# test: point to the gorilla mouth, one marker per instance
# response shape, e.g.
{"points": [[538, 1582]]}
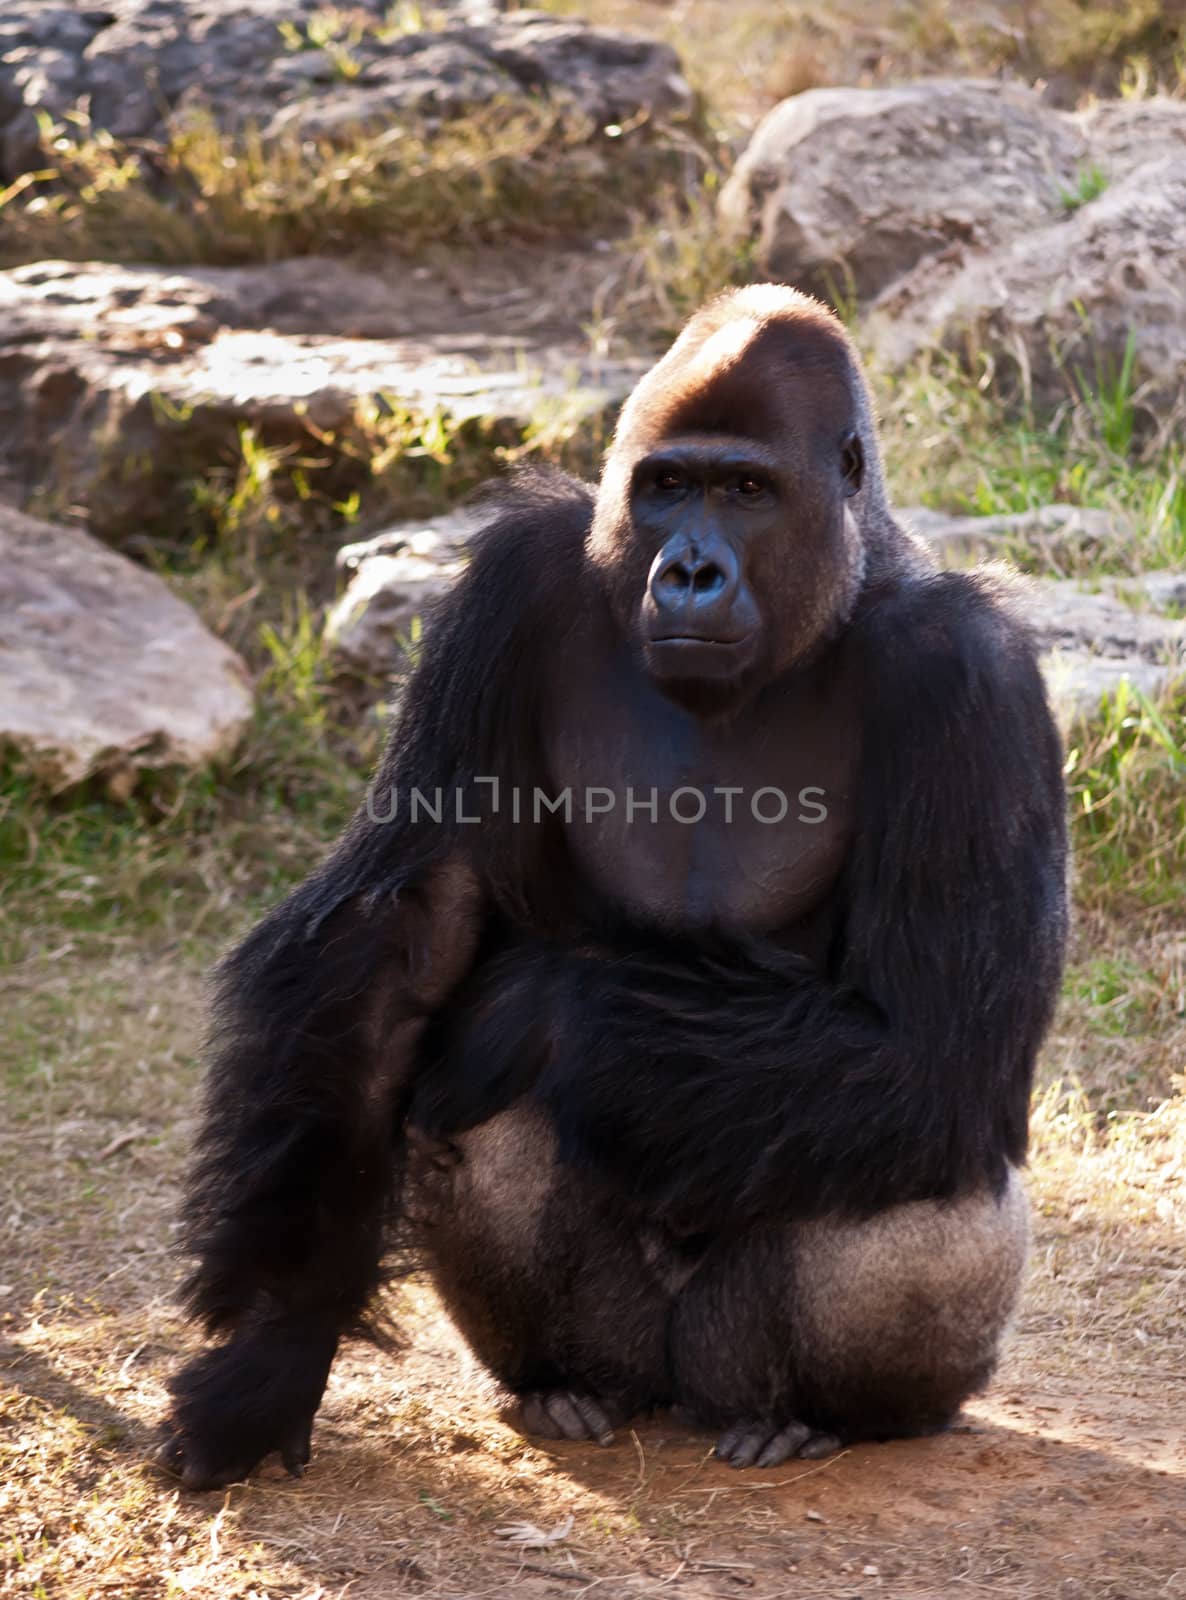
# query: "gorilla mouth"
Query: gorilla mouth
{"points": [[697, 655], [698, 638]]}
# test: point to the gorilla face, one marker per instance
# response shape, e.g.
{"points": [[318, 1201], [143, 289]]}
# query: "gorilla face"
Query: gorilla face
{"points": [[703, 504], [717, 513], [723, 534]]}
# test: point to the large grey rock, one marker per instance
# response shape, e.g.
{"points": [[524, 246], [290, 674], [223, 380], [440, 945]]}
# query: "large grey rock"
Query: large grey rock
{"points": [[117, 380], [979, 219], [850, 188], [1057, 306], [102, 670], [136, 63], [1123, 135]]}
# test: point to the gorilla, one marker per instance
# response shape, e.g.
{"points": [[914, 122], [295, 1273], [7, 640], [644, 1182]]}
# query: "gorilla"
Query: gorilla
{"points": [[675, 993]]}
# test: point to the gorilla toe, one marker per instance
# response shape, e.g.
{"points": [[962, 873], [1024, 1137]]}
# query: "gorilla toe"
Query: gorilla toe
{"points": [[566, 1414], [765, 1444]]}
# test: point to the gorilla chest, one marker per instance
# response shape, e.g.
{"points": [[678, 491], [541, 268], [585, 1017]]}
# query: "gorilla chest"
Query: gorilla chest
{"points": [[744, 826]]}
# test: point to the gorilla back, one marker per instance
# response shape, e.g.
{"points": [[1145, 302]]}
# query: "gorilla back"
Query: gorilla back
{"points": [[699, 1071]]}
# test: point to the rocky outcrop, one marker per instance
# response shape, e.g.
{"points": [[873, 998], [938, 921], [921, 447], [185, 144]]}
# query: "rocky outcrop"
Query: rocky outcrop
{"points": [[1066, 308], [276, 65], [1092, 636], [103, 672], [974, 217], [116, 381], [846, 190]]}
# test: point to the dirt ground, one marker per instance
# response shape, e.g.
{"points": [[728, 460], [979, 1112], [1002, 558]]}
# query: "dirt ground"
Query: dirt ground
{"points": [[1067, 1479]]}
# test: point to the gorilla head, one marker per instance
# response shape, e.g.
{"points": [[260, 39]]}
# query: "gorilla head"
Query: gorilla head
{"points": [[733, 522]]}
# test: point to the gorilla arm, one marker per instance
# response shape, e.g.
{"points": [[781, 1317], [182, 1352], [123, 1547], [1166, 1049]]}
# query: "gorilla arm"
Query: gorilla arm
{"points": [[724, 1093], [319, 1015]]}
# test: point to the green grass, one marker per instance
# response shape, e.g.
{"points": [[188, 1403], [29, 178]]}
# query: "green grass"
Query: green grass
{"points": [[948, 445], [190, 855], [1126, 776], [1089, 185], [1112, 989]]}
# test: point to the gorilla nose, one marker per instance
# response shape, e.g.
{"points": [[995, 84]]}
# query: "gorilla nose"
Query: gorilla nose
{"points": [[694, 582]]}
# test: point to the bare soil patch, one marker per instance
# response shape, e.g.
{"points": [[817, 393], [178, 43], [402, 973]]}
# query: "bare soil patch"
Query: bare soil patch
{"points": [[1068, 1478]]}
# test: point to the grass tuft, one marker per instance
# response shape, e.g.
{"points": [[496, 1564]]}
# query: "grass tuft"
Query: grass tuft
{"points": [[1089, 185], [1126, 776], [947, 445], [535, 173]]}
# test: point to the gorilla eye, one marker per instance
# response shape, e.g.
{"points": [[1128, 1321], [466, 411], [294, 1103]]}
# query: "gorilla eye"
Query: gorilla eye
{"points": [[668, 480], [748, 487]]}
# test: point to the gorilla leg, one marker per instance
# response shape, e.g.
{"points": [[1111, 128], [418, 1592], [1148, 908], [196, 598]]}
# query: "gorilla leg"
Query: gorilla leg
{"points": [[548, 1279], [833, 1331]]}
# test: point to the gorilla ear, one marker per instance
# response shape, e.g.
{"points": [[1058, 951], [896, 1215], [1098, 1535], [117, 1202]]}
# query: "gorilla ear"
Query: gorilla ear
{"points": [[852, 462]]}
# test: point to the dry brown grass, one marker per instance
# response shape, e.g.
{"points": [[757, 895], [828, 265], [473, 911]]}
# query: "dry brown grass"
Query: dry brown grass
{"points": [[743, 57]]}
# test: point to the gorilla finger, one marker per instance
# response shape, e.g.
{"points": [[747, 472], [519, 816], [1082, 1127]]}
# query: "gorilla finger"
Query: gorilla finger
{"points": [[536, 1418], [818, 1446], [729, 1440], [748, 1446], [178, 1457], [596, 1421], [169, 1456], [784, 1445], [565, 1414], [296, 1450]]}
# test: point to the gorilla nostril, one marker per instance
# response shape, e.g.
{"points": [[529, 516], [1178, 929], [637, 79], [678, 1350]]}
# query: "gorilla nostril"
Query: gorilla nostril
{"points": [[708, 579], [675, 578]]}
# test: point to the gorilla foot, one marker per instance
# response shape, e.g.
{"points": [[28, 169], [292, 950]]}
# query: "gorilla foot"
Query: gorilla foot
{"points": [[568, 1414], [767, 1444]]}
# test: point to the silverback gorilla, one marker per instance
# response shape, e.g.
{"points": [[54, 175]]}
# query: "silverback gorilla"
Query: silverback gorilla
{"points": [[676, 992]]}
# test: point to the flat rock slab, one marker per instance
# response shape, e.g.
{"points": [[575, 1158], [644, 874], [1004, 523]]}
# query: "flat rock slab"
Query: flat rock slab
{"points": [[113, 379], [1094, 641], [136, 64], [1092, 636], [955, 538], [102, 670]]}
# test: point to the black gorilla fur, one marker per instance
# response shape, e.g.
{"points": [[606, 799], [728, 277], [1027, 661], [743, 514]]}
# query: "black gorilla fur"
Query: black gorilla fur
{"points": [[718, 1064]]}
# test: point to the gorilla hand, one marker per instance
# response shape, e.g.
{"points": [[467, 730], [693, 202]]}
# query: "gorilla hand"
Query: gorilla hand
{"points": [[238, 1402]]}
